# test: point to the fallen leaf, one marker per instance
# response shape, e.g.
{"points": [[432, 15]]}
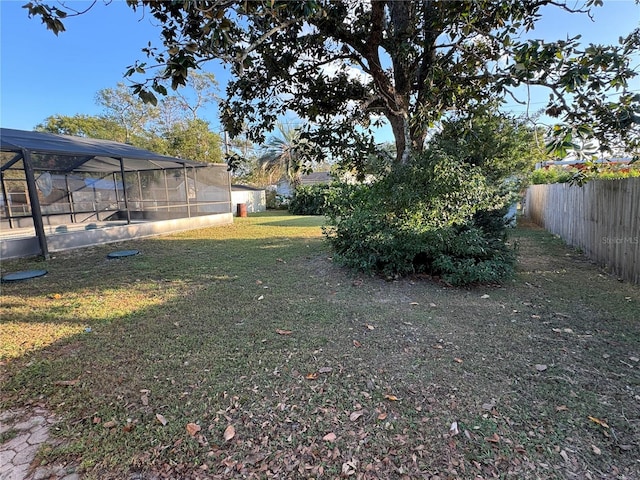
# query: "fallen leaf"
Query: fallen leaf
{"points": [[414, 303], [280, 260], [598, 421], [488, 406], [457, 360], [382, 416], [596, 450], [67, 383], [56, 296], [109, 424], [485, 296], [370, 327], [325, 370], [349, 468], [634, 359], [561, 408], [258, 282], [261, 297], [145, 400], [540, 367], [283, 332], [97, 420], [564, 455], [356, 415], [311, 376], [329, 437], [128, 427], [392, 398], [357, 344], [493, 438], [432, 305], [437, 346], [229, 433], [453, 429], [357, 282], [192, 429], [161, 419]]}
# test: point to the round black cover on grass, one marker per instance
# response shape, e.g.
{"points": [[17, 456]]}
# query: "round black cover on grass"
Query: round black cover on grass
{"points": [[24, 275], [123, 253]]}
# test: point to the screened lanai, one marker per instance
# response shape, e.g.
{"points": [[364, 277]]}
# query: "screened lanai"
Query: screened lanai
{"points": [[61, 192]]}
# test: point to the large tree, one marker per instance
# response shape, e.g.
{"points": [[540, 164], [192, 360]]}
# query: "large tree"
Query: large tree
{"points": [[342, 65]]}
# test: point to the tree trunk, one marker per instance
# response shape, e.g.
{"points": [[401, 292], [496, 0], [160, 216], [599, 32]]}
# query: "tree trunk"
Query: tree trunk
{"points": [[400, 128]]}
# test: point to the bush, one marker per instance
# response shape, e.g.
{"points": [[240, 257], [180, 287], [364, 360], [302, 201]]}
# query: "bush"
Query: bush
{"points": [[309, 199], [275, 201], [434, 215], [321, 199], [550, 175]]}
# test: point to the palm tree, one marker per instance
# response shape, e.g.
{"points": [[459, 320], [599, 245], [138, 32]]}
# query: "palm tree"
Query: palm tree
{"points": [[283, 157]]}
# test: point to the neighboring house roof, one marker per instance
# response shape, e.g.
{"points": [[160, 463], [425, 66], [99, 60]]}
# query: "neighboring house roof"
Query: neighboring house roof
{"points": [[316, 177]]}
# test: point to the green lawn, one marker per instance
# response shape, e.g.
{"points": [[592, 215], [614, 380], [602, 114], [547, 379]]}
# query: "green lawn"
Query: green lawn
{"points": [[250, 330]]}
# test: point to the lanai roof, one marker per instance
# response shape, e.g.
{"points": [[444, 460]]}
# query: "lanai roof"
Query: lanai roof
{"points": [[83, 154]]}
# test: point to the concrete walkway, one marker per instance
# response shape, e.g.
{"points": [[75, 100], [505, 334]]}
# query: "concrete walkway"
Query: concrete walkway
{"points": [[26, 431]]}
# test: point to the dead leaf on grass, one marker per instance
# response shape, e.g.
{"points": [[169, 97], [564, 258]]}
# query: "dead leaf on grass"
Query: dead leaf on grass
{"points": [[161, 419], [495, 438], [356, 415], [192, 429], [596, 450], [392, 398], [145, 400], [283, 332], [561, 408], [67, 383], [55, 296], [488, 406], [109, 424], [261, 297], [325, 370], [602, 423], [382, 416], [485, 296], [329, 437], [540, 367], [453, 429], [357, 344], [457, 360], [370, 327], [229, 433], [311, 376], [349, 468], [414, 303]]}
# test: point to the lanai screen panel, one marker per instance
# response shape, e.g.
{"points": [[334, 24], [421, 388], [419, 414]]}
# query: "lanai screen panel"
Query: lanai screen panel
{"points": [[81, 180]]}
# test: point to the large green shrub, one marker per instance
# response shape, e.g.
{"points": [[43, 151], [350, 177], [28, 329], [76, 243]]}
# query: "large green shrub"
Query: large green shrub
{"points": [[321, 199], [424, 217]]}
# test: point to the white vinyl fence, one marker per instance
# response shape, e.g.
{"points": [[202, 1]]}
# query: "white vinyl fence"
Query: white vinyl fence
{"points": [[602, 218]]}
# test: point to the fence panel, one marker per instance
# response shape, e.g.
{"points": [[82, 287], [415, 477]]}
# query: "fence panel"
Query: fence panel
{"points": [[602, 218]]}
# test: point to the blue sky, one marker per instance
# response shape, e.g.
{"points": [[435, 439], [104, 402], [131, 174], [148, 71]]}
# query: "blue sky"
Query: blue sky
{"points": [[43, 75]]}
